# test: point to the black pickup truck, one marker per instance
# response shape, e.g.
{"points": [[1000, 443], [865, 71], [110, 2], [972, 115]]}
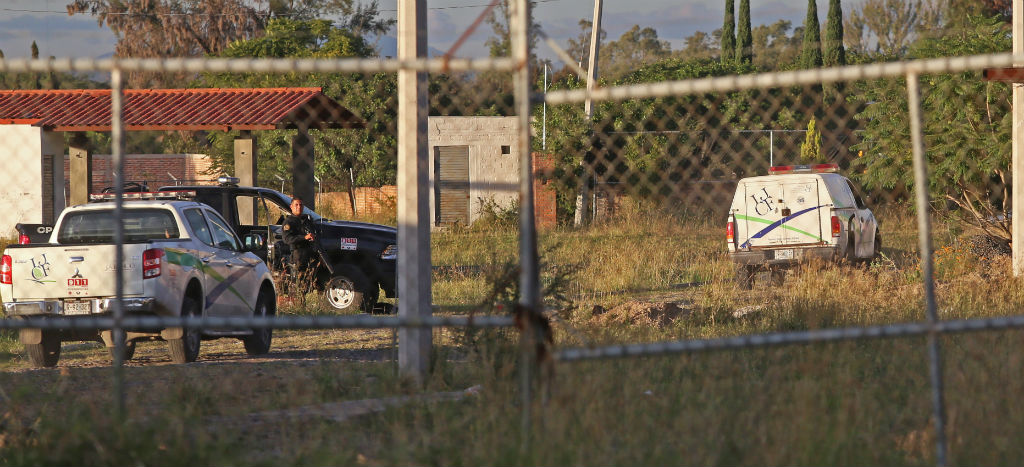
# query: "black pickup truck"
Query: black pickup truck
{"points": [[362, 255]]}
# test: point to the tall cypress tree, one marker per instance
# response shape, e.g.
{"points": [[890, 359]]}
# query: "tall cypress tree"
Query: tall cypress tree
{"points": [[810, 55], [744, 37], [835, 53], [728, 34]]}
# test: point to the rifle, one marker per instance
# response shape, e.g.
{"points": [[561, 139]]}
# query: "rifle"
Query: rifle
{"points": [[317, 246]]}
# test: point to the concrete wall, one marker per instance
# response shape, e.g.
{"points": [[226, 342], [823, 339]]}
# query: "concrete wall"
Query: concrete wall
{"points": [[485, 137], [28, 192]]}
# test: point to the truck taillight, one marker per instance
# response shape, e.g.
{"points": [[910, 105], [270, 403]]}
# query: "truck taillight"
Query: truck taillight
{"points": [[23, 239], [152, 263], [836, 226], [6, 271], [730, 231]]}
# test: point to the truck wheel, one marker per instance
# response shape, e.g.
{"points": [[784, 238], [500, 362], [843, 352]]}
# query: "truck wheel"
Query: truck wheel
{"points": [[744, 277], [47, 352], [186, 349], [259, 342], [349, 291], [778, 277]]}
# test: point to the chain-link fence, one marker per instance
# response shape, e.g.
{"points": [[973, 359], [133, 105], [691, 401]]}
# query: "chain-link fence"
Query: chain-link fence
{"points": [[684, 215]]}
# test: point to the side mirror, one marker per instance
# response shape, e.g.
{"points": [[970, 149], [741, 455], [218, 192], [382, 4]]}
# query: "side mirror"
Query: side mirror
{"points": [[254, 242]]}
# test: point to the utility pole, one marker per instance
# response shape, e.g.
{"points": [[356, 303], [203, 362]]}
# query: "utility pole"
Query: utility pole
{"points": [[583, 195], [595, 49], [413, 229], [1016, 224]]}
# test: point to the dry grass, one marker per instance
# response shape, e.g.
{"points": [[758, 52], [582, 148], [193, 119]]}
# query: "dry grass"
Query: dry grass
{"points": [[863, 402]]}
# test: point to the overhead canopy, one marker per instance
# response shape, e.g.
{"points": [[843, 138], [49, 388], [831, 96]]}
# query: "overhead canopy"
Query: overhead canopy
{"points": [[178, 109]]}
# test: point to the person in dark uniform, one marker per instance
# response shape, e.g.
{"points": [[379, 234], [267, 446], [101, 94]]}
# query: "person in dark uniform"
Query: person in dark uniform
{"points": [[297, 231]]}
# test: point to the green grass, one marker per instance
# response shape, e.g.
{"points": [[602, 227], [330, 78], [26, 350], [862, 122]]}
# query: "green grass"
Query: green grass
{"points": [[850, 403]]}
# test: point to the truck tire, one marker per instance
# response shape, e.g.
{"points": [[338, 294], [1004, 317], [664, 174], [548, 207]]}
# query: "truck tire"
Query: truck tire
{"points": [[186, 349], [259, 342], [45, 353], [349, 291], [744, 277]]}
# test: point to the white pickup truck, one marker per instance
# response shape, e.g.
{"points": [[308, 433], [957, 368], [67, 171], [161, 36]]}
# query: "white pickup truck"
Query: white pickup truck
{"points": [[181, 258]]}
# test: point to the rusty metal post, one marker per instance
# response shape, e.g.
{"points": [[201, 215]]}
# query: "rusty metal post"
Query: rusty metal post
{"points": [[529, 271]]}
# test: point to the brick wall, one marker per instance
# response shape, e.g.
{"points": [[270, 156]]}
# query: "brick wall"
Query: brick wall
{"points": [[369, 200], [544, 199], [154, 169]]}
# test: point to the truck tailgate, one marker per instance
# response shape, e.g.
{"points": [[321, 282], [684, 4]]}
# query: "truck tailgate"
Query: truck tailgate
{"points": [[73, 271], [780, 213]]}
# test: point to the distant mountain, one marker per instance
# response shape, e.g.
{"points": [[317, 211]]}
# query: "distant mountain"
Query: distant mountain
{"points": [[387, 46]]}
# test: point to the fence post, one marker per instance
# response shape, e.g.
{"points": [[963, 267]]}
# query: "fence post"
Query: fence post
{"points": [[529, 272], [924, 235], [413, 228], [117, 154]]}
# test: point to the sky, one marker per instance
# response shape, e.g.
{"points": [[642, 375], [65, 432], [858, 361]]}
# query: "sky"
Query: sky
{"points": [[57, 34]]}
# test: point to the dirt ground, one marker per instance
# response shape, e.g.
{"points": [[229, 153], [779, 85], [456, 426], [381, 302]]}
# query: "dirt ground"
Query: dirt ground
{"points": [[356, 345]]}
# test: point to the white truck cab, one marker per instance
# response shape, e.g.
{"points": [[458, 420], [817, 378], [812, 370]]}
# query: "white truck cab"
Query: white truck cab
{"points": [[794, 214]]}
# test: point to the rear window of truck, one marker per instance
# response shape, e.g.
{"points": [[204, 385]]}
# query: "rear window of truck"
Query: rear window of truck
{"points": [[98, 226]]}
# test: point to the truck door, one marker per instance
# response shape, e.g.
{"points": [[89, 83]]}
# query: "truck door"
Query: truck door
{"points": [[762, 214], [235, 293], [800, 207]]}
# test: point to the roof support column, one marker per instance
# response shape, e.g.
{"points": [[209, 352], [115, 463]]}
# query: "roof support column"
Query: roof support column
{"points": [[245, 170], [303, 184], [80, 160]]}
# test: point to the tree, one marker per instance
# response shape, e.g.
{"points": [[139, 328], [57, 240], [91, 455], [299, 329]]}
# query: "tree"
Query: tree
{"points": [[193, 28], [745, 52], [810, 150], [890, 24], [696, 46], [967, 123], [371, 152], [500, 44], [634, 49], [580, 47], [728, 39], [810, 52], [835, 53], [776, 48]]}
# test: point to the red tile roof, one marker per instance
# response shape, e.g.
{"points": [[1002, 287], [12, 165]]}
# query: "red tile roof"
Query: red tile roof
{"points": [[177, 109]]}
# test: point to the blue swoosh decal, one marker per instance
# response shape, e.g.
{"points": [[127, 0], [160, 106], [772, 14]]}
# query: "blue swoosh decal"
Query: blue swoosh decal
{"points": [[776, 224], [226, 285]]}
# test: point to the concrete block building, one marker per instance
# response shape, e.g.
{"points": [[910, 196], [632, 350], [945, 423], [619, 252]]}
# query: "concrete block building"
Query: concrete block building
{"points": [[473, 161]]}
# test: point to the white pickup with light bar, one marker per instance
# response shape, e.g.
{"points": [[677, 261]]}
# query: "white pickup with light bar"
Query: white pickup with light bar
{"points": [[803, 169]]}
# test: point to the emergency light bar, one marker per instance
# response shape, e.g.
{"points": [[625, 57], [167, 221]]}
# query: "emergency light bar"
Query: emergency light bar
{"points": [[803, 169], [148, 195]]}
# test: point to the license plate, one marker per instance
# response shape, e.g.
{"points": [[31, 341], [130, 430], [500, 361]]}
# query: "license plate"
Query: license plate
{"points": [[77, 308], [784, 254]]}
